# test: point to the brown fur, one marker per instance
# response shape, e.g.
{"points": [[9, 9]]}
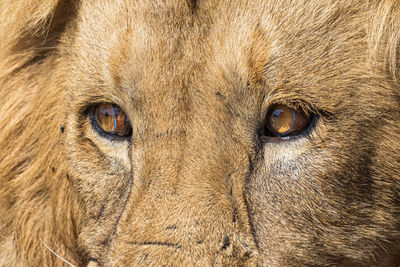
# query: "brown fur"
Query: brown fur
{"points": [[195, 185]]}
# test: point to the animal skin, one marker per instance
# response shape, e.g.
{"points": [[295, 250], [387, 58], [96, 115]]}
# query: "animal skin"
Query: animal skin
{"points": [[199, 182]]}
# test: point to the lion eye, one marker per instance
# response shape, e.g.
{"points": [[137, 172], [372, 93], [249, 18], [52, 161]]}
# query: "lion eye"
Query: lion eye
{"points": [[282, 121], [112, 120]]}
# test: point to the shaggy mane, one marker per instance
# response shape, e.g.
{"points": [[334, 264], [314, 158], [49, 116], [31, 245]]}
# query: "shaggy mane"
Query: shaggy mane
{"points": [[35, 203], [30, 137]]}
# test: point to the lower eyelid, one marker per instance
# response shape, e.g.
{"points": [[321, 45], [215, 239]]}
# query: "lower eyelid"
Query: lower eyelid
{"points": [[311, 125]]}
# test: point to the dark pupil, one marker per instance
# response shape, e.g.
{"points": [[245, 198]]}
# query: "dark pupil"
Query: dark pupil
{"points": [[277, 112]]}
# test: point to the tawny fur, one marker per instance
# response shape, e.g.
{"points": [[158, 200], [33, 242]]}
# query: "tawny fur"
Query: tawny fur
{"points": [[195, 185]]}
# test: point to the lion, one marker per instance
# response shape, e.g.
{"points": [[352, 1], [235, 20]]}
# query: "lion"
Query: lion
{"points": [[199, 133]]}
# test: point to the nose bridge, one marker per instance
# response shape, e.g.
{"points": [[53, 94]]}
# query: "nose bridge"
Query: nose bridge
{"points": [[215, 173], [187, 203]]}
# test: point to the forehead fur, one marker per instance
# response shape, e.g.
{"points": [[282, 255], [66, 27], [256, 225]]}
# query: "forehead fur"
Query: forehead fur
{"points": [[283, 51]]}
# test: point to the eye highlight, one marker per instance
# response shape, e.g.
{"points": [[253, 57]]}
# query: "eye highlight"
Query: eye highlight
{"points": [[111, 120], [283, 121]]}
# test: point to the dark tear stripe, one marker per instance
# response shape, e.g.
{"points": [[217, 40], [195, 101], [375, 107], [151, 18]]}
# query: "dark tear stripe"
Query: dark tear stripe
{"points": [[130, 183], [103, 156], [98, 151], [249, 173]]}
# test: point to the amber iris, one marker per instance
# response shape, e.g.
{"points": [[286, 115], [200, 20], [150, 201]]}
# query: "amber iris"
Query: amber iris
{"points": [[286, 121], [112, 120]]}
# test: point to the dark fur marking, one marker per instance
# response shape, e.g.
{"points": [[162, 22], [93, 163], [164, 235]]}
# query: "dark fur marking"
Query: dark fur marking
{"points": [[101, 211], [63, 13], [38, 176], [192, 6], [142, 258], [20, 166], [53, 170], [226, 243], [228, 177], [106, 242], [171, 227], [251, 166], [250, 171], [219, 95], [112, 233], [235, 214]]}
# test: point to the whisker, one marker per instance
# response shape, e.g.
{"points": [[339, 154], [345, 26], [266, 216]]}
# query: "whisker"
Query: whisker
{"points": [[61, 258]]}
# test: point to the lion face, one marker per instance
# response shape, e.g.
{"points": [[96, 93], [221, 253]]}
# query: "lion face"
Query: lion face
{"points": [[212, 133]]}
